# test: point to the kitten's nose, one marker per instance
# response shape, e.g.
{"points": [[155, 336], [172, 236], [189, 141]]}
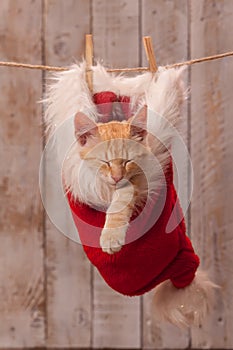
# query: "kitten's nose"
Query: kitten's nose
{"points": [[117, 178]]}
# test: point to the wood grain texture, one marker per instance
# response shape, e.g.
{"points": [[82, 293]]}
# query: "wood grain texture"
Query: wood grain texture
{"points": [[22, 308], [116, 318], [68, 270], [167, 23], [115, 31], [66, 25], [212, 154]]}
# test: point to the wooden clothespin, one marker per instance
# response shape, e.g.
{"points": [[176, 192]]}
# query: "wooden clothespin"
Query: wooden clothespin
{"points": [[147, 41], [89, 60]]}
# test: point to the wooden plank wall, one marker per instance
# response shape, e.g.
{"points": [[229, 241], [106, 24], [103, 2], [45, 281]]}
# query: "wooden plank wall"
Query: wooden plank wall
{"points": [[111, 20], [172, 29], [212, 156], [50, 295], [68, 275], [22, 305]]}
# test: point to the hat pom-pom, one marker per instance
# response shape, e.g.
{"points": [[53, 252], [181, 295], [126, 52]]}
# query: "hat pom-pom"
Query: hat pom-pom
{"points": [[185, 306]]}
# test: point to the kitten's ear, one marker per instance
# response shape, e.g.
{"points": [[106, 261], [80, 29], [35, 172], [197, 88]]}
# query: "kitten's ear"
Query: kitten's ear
{"points": [[138, 124], [84, 128]]}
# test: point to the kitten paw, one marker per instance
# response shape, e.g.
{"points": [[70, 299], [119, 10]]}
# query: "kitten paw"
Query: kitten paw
{"points": [[112, 240]]}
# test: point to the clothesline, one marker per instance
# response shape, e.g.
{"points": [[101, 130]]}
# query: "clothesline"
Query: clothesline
{"points": [[136, 69]]}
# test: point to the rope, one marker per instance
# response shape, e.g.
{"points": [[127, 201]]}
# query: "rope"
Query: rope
{"points": [[137, 69], [32, 66]]}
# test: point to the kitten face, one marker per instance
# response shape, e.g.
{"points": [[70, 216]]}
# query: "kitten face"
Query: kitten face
{"points": [[111, 148], [118, 169], [113, 153]]}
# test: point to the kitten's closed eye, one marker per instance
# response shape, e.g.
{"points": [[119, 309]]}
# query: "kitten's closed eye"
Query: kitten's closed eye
{"points": [[109, 162], [105, 162]]}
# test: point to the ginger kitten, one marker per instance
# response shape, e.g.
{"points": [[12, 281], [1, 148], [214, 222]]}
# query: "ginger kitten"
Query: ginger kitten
{"points": [[110, 176]]}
